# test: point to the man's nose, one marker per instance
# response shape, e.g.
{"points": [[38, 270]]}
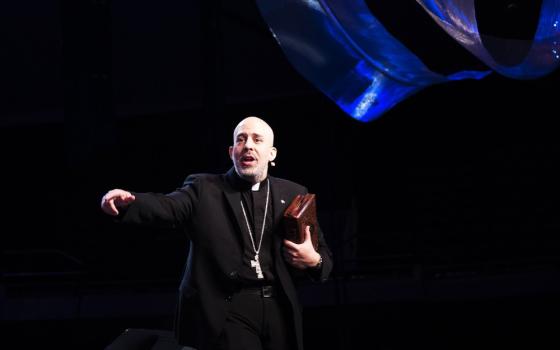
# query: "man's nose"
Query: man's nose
{"points": [[249, 144]]}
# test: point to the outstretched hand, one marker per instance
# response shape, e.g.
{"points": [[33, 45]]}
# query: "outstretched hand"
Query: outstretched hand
{"points": [[114, 199], [303, 255]]}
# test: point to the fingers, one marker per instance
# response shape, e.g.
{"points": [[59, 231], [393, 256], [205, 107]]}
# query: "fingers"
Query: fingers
{"points": [[290, 255], [114, 199], [125, 198], [108, 206], [294, 260], [290, 245], [112, 208], [300, 256], [307, 233], [295, 246]]}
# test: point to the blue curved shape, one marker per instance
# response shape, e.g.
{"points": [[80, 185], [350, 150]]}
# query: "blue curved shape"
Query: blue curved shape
{"points": [[341, 48], [458, 19]]}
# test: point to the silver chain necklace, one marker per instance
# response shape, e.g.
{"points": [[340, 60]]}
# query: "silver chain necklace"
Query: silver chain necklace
{"points": [[256, 263]]}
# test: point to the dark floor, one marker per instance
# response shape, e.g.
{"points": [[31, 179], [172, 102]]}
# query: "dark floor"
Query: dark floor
{"points": [[504, 323], [528, 323]]}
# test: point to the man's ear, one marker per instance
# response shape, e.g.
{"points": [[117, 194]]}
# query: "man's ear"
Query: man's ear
{"points": [[230, 151], [273, 152]]}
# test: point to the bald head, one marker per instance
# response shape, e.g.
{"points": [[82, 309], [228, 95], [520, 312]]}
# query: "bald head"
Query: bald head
{"points": [[252, 149], [255, 123]]}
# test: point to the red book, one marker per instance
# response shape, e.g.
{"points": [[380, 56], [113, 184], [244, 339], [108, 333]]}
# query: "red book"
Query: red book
{"points": [[300, 213]]}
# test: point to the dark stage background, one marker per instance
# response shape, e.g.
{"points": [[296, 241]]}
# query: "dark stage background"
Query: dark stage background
{"points": [[442, 215]]}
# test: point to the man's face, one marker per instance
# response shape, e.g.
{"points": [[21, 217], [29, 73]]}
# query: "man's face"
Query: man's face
{"points": [[252, 149]]}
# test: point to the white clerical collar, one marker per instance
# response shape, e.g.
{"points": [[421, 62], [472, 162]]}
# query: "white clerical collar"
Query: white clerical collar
{"points": [[256, 187]]}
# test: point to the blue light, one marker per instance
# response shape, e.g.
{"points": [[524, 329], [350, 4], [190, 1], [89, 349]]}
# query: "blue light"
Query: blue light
{"points": [[458, 19], [340, 47]]}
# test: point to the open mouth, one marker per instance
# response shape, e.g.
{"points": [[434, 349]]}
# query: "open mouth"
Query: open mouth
{"points": [[247, 160]]}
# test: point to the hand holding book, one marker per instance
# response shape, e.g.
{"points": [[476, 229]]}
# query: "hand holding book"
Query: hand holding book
{"points": [[302, 212]]}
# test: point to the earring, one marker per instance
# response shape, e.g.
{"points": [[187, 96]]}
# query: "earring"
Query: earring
{"points": [[272, 164]]}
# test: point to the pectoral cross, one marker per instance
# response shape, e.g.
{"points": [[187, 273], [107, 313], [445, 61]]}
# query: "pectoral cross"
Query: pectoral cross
{"points": [[257, 265]]}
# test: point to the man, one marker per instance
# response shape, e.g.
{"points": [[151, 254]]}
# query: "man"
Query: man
{"points": [[238, 289]]}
